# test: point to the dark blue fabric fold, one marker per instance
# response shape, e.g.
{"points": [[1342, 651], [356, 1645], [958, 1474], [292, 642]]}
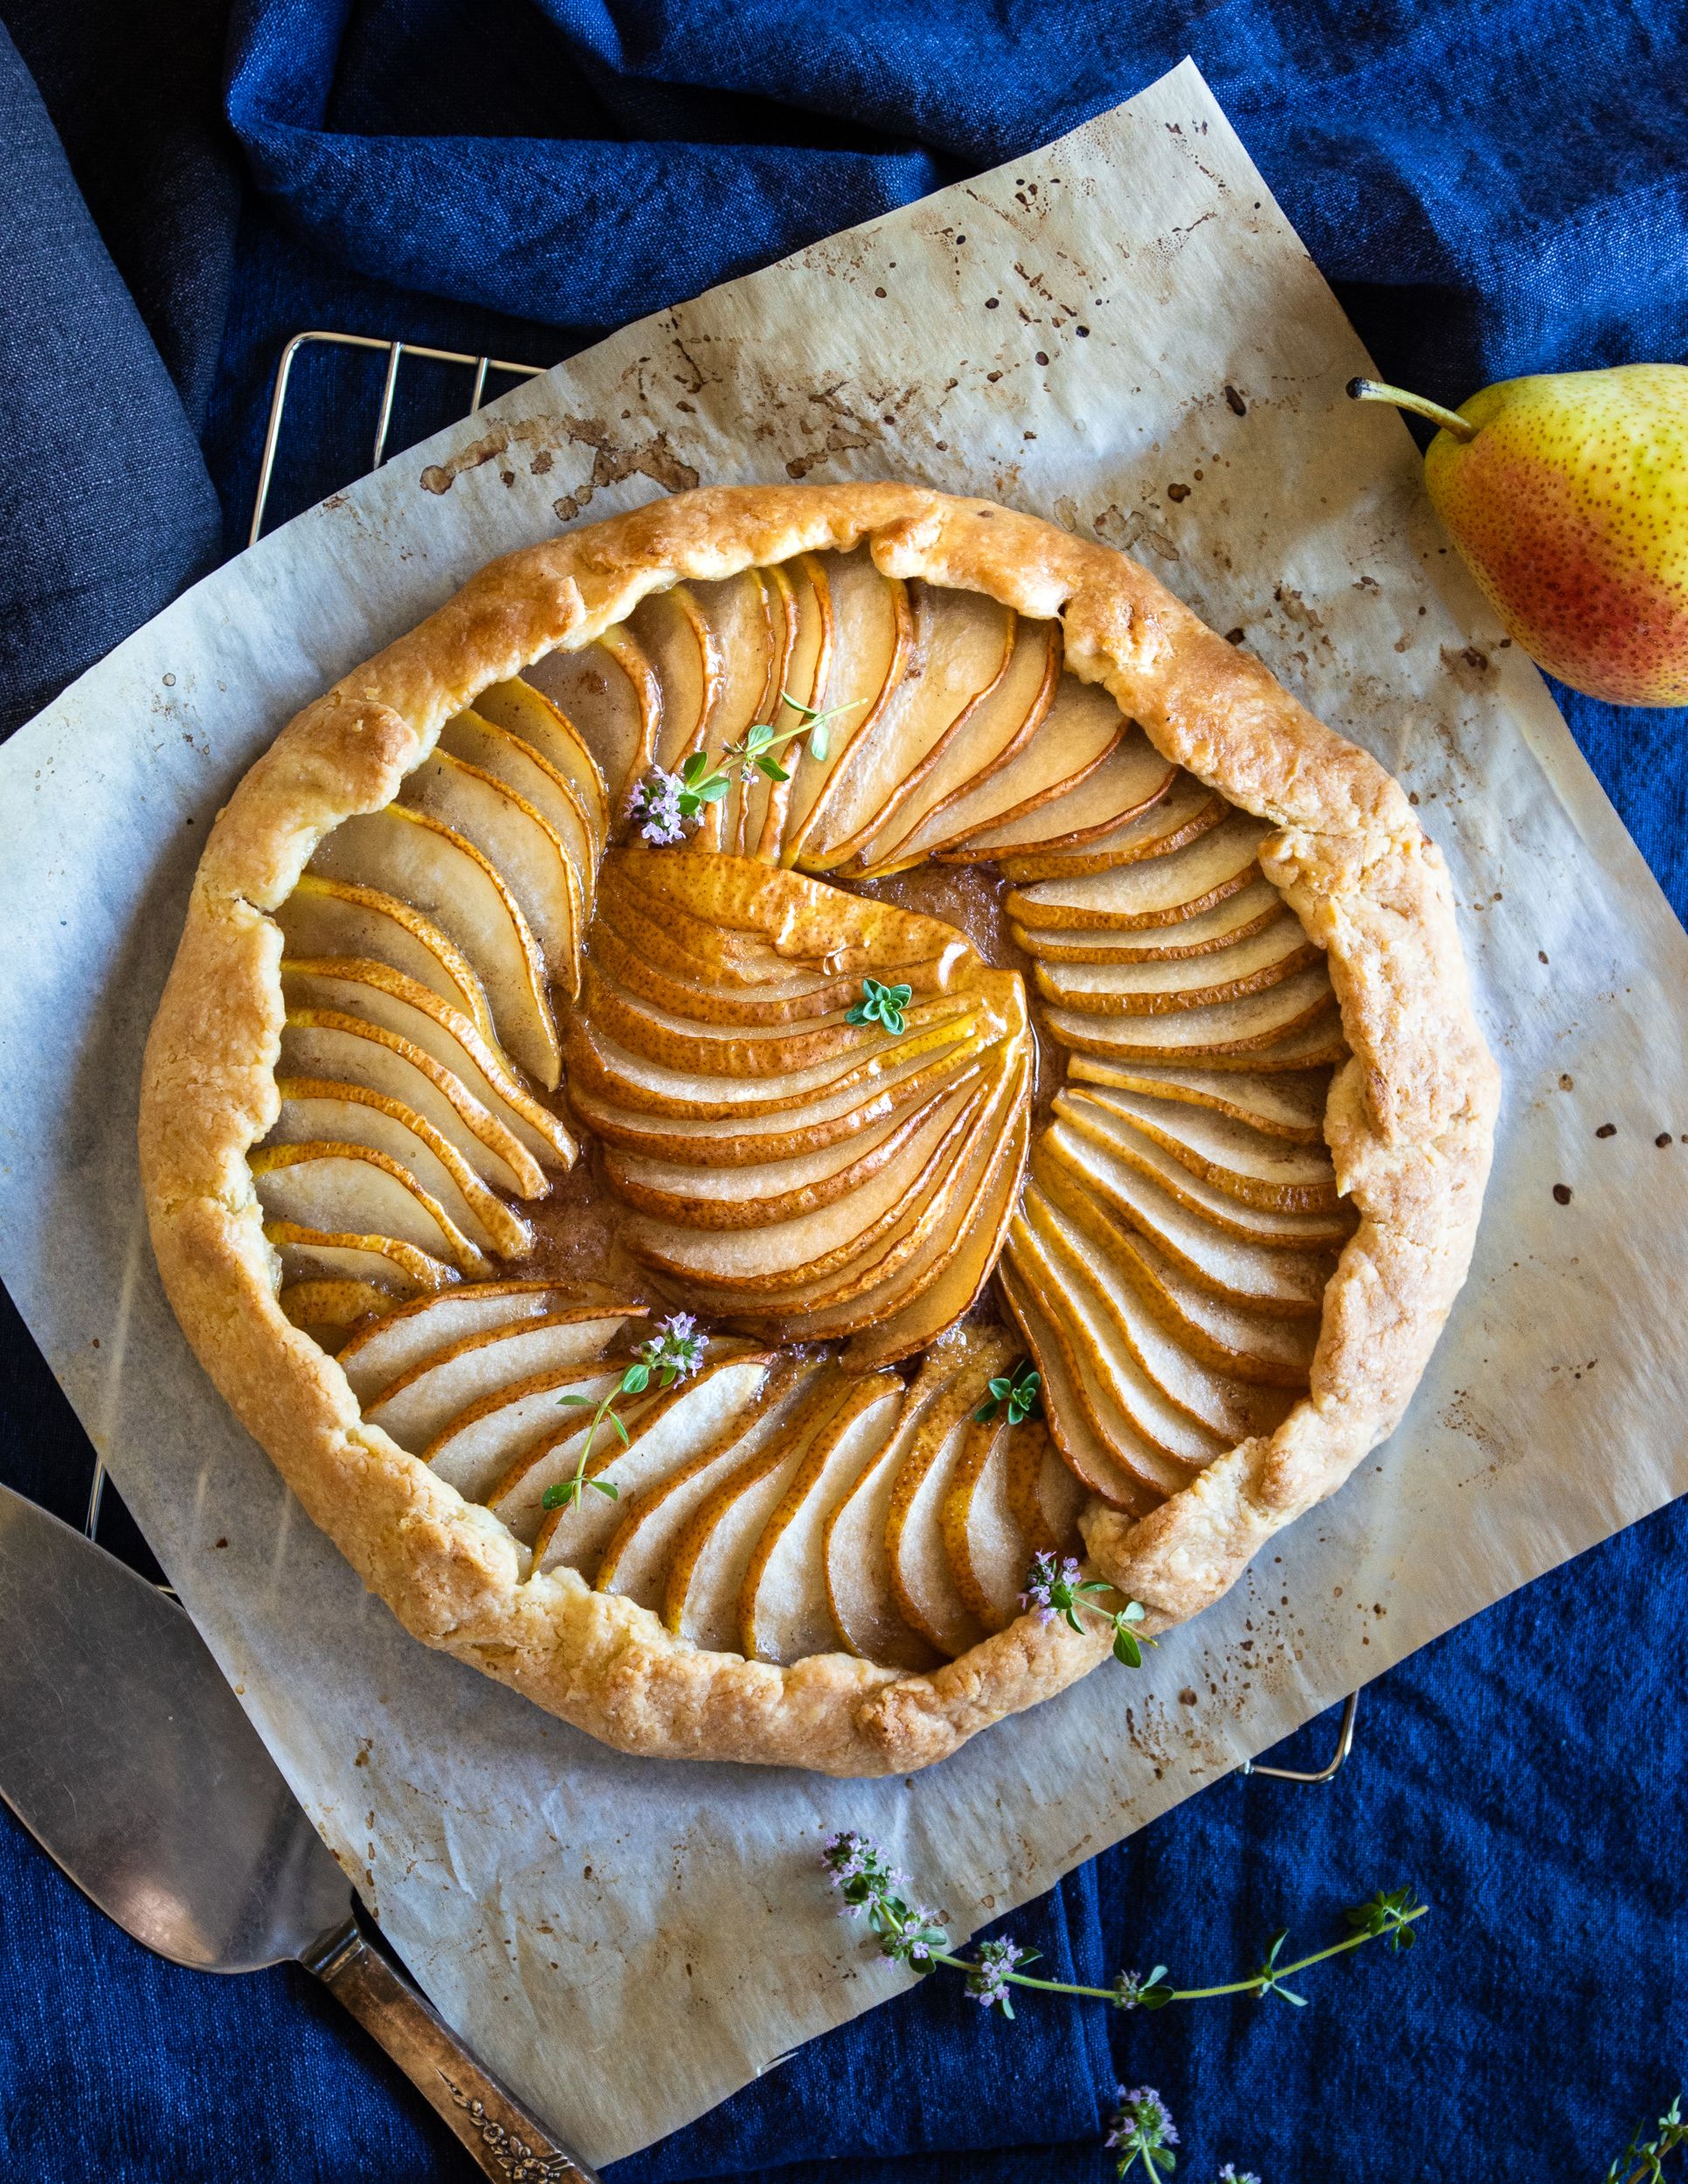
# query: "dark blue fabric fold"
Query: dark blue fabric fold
{"points": [[106, 508], [1494, 186]]}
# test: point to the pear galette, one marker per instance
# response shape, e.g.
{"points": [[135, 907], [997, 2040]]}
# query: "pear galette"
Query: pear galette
{"points": [[782, 1056]]}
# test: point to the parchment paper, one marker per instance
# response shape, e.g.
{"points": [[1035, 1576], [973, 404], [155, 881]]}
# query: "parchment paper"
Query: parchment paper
{"points": [[1082, 334]]}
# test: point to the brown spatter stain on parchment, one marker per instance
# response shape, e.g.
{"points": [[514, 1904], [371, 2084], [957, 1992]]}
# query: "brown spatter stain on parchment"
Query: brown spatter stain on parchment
{"points": [[441, 477], [1470, 666], [655, 459], [611, 461], [1116, 528]]}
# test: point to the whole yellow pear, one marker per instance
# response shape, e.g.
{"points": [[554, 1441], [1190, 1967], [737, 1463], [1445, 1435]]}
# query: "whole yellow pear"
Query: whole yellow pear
{"points": [[1566, 495]]}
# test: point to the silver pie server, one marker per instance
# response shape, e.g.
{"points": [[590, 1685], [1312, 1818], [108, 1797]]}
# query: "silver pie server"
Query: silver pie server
{"points": [[127, 1757]]}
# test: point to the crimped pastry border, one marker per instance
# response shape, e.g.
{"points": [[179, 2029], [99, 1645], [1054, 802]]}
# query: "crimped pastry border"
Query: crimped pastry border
{"points": [[1410, 1121]]}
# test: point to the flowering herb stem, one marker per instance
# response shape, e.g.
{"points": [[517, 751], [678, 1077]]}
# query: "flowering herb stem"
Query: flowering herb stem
{"points": [[911, 1934], [1642, 2162], [1055, 1588], [664, 803], [674, 1352]]}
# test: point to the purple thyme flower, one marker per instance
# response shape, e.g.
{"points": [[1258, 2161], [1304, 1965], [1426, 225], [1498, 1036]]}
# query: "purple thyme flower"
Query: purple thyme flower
{"points": [[656, 807], [1231, 2174], [1141, 2124], [676, 1349], [1051, 1585], [1128, 1990], [987, 1982]]}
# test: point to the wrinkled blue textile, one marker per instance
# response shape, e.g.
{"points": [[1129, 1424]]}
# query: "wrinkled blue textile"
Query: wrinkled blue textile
{"points": [[1494, 187]]}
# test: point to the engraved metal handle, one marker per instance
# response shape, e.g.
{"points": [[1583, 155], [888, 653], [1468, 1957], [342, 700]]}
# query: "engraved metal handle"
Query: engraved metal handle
{"points": [[509, 2143]]}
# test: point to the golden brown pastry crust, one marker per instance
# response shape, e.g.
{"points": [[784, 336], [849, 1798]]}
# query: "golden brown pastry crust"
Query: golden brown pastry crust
{"points": [[1410, 1123]]}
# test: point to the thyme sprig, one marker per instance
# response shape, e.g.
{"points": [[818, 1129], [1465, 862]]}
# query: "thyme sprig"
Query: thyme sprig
{"points": [[913, 1934], [882, 1004], [1021, 1390], [665, 803], [1056, 1587], [672, 1353], [1644, 2162]]}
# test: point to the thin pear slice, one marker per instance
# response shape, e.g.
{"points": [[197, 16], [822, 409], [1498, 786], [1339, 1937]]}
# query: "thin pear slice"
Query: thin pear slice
{"points": [[385, 998], [1082, 731], [1096, 1465], [710, 955], [1248, 1344], [920, 1580], [352, 1189], [706, 1575], [737, 1145], [608, 695], [672, 1425], [600, 1067], [1235, 918], [739, 615], [795, 1001], [418, 1403], [676, 639], [1148, 1431], [860, 1593], [948, 1278], [326, 1044], [1289, 1283], [329, 1308], [757, 1265], [1042, 1495], [309, 1254], [1160, 987], [682, 1043], [760, 1197], [334, 917], [963, 642], [515, 839], [636, 1558], [406, 853], [476, 1447], [873, 636], [771, 645], [315, 1108], [1188, 810], [530, 713], [377, 1355], [1207, 1034], [1103, 1124], [1160, 1383], [907, 1254], [1289, 1105], [1132, 779], [1231, 1154], [1155, 890], [784, 1611], [530, 776], [806, 592], [985, 740], [984, 1543]]}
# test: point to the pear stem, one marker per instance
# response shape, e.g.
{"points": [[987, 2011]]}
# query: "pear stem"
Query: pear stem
{"points": [[1378, 390]]}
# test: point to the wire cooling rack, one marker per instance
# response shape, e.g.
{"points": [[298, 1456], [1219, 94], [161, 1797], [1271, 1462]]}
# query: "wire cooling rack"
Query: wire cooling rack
{"points": [[483, 367]]}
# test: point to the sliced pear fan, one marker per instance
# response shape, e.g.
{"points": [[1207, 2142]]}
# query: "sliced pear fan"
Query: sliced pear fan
{"points": [[872, 630], [1153, 889], [348, 1187], [418, 1403], [384, 1262], [417, 858], [1160, 986], [608, 695], [1187, 810], [377, 1355], [325, 918], [1132, 779], [372, 992], [523, 711], [317, 1108], [515, 838]]}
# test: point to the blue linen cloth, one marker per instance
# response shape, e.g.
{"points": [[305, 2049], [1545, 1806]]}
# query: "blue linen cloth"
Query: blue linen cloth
{"points": [[1495, 186]]}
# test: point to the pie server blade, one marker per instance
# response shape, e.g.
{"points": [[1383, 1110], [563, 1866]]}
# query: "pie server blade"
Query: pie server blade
{"points": [[128, 1759]]}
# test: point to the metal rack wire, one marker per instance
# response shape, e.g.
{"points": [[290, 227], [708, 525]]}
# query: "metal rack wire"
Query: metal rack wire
{"points": [[483, 366]]}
